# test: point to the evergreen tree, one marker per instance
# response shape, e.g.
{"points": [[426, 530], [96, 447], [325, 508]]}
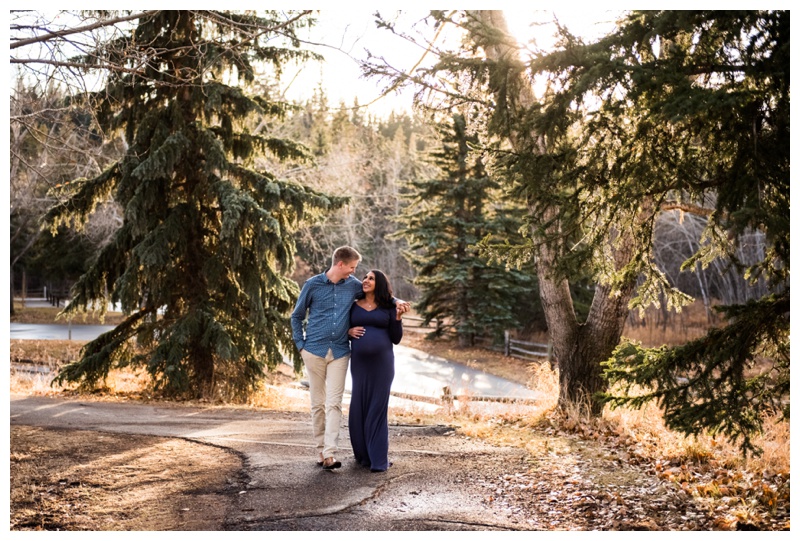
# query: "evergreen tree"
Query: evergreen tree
{"points": [[445, 220], [683, 110], [673, 109], [715, 89], [201, 260], [52, 141], [59, 260]]}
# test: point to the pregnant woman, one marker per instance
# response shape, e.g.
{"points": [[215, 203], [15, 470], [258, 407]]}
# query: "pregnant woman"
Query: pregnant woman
{"points": [[375, 327]]}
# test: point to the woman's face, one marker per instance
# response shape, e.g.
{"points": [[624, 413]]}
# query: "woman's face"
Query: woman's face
{"points": [[368, 283]]}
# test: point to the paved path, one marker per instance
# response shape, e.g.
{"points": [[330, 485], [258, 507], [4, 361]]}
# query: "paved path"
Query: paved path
{"points": [[434, 484], [40, 331]]}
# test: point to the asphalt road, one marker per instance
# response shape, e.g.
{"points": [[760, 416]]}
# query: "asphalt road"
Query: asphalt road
{"points": [[436, 482]]}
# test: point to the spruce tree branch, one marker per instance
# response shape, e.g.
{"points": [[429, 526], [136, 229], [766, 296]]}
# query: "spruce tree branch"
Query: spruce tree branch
{"points": [[710, 69]]}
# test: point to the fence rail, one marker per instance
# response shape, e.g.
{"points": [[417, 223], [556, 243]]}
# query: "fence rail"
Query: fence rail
{"points": [[414, 322], [55, 296], [526, 350], [521, 349]]}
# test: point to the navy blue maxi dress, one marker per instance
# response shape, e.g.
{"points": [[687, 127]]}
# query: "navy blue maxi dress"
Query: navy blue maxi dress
{"points": [[372, 371]]}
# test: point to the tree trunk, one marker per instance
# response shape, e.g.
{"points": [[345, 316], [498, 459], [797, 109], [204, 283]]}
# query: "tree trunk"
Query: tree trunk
{"points": [[581, 375], [203, 364], [11, 275], [578, 348]]}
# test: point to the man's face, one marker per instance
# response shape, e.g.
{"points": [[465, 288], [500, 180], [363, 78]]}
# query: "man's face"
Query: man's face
{"points": [[345, 268]]}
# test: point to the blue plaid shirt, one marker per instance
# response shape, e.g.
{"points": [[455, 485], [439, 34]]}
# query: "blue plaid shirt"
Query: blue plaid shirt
{"points": [[327, 306]]}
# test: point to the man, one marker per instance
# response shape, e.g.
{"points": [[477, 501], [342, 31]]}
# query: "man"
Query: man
{"points": [[324, 345]]}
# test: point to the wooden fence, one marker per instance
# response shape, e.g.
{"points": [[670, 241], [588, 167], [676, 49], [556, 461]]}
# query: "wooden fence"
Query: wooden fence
{"points": [[413, 322], [526, 350], [521, 349], [55, 296]]}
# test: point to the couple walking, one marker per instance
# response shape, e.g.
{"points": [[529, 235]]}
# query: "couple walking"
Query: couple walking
{"points": [[339, 319]]}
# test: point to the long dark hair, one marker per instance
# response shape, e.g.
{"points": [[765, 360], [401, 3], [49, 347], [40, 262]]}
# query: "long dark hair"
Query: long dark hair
{"points": [[383, 290]]}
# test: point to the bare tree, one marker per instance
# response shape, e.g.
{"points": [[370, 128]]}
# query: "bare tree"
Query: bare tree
{"points": [[679, 234], [65, 46], [53, 144]]}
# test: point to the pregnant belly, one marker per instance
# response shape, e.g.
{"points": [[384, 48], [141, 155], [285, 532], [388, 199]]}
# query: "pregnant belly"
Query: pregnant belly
{"points": [[374, 341]]}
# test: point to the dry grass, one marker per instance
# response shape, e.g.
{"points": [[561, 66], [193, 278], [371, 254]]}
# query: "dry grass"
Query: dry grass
{"points": [[281, 391], [85, 480], [48, 352], [646, 432], [691, 323], [735, 489]]}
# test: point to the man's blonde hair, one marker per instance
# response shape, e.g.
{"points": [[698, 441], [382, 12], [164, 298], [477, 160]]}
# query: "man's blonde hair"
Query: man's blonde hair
{"points": [[346, 254]]}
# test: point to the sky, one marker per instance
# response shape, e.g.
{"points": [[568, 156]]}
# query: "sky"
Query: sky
{"points": [[348, 34], [344, 35]]}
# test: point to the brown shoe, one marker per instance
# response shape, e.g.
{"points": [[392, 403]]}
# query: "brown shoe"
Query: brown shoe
{"points": [[331, 463]]}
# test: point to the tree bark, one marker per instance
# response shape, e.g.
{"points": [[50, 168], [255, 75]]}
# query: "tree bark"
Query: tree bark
{"points": [[203, 364], [11, 300]]}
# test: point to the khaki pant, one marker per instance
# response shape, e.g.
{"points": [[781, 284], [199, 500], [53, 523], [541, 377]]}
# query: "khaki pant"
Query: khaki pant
{"points": [[326, 378]]}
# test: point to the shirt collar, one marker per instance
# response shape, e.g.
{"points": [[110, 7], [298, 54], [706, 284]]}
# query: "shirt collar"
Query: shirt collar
{"points": [[329, 281]]}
